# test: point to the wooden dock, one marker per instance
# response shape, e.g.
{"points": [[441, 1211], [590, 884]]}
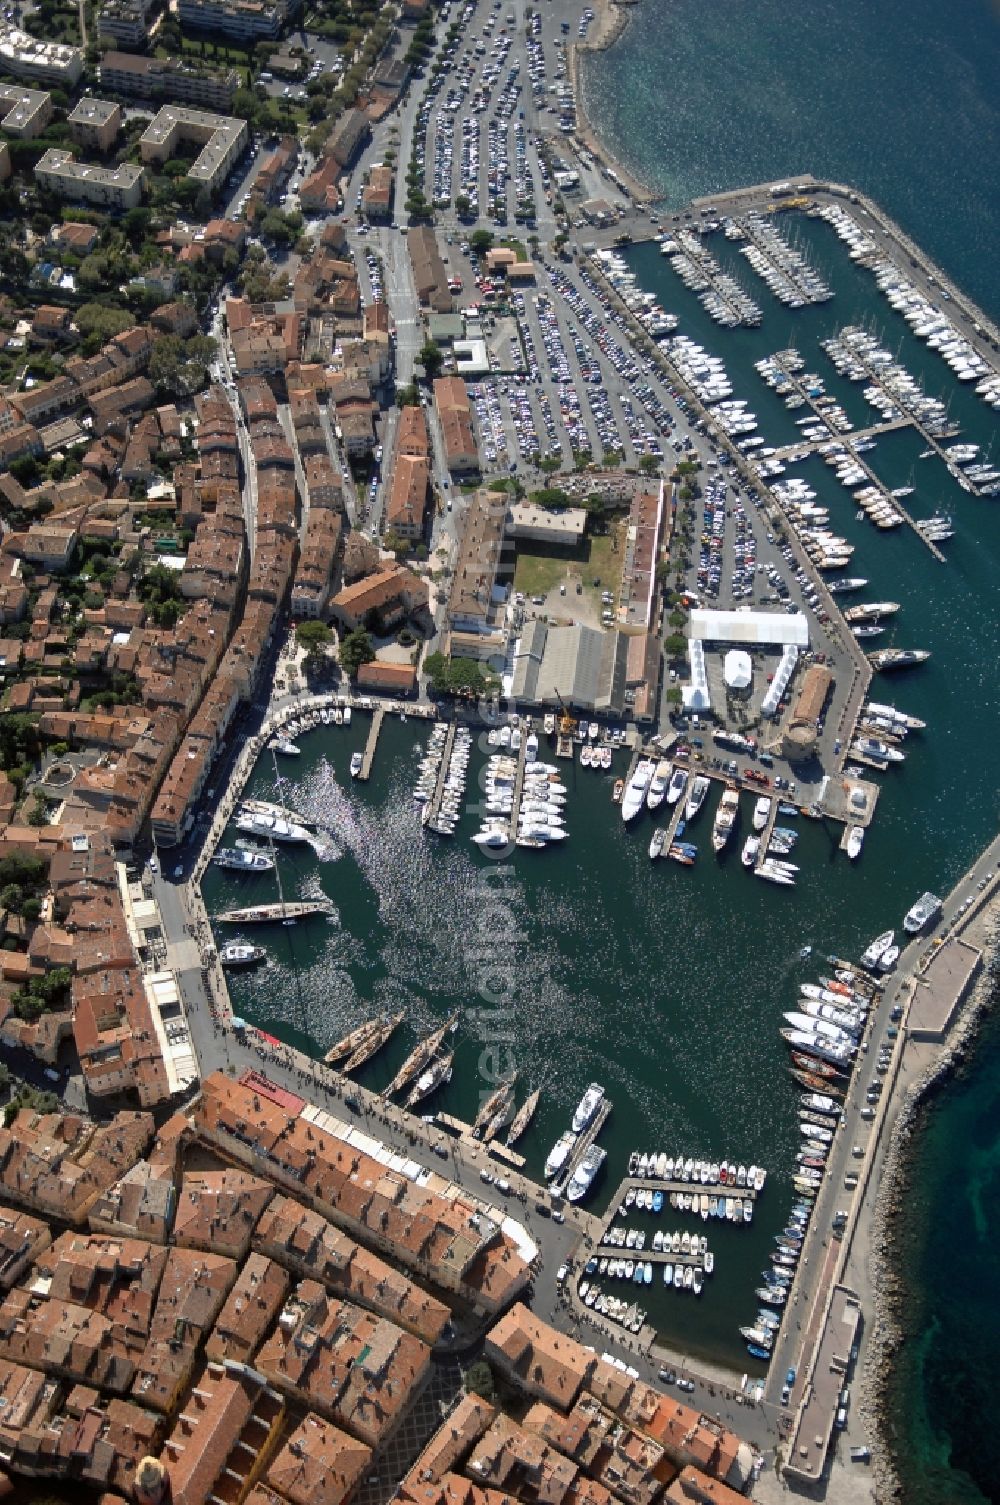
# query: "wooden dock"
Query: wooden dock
{"points": [[369, 753], [463, 1131], [583, 1144], [805, 447], [442, 776]]}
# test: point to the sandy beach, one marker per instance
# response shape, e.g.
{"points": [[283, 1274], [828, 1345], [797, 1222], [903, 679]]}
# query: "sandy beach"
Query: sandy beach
{"points": [[610, 21]]}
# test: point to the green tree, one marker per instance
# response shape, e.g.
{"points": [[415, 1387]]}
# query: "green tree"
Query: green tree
{"points": [[479, 1380], [314, 637], [481, 241], [675, 646], [431, 358], [356, 648], [674, 695], [649, 464]]}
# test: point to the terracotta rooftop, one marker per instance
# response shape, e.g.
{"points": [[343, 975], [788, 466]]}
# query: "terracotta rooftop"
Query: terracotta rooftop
{"points": [[318, 1464]]}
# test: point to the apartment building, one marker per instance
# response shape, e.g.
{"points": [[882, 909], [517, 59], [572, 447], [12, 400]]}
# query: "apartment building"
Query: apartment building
{"points": [[126, 22], [166, 79], [454, 412], [24, 112], [242, 20], [50, 62], [116, 188], [95, 123], [223, 140]]}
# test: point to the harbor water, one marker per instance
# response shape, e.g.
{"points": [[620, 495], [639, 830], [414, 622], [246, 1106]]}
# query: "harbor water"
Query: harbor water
{"points": [[900, 100]]}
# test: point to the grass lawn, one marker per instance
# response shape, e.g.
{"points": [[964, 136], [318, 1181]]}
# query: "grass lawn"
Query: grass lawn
{"points": [[541, 568]]}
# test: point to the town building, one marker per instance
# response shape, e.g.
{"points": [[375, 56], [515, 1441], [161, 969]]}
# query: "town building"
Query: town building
{"points": [[475, 602], [454, 412], [350, 132], [390, 596], [116, 188], [376, 198]]}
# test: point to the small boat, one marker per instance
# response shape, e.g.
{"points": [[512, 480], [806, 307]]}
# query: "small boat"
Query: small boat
{"points": [[751, 851], [618, 791], [657, 842], [880, 944], [286, 747], [696, 797], [357, 763], [241, 954], [855, 841]]}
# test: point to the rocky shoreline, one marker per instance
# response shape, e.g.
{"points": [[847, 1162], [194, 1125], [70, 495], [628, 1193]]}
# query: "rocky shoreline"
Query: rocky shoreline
{"points": [[890, 1293], [611, 19]]}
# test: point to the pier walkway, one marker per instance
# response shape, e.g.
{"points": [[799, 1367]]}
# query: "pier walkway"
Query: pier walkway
{"points": [[583, 1144], [804, 447], [515, 809], [682, 1188], [370, 746], [846, 439], [767, 833], [676, 816]]}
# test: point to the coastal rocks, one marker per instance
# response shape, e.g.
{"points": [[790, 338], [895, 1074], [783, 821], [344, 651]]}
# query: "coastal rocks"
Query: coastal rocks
{"points": [[888, 1334]]}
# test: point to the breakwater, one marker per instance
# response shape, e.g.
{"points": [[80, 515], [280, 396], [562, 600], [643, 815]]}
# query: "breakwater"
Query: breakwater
{"points": [[893, 1308]]}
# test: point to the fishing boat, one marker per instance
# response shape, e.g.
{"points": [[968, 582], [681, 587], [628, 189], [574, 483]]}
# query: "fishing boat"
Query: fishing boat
{"points": [[524, 1116], [696, 796], [241, 954], [725, 818]]}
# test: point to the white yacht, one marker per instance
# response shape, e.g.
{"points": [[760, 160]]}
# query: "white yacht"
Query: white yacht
{"points": [[587, 1107], [357, 763], [855, 841], [696, 798], [761, 812], [677, 786], [925, 909], [274, 827], [582, 1178], [635, 791], [559, 1154], [657, 792]]}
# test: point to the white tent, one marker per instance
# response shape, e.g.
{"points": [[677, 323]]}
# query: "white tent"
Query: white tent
{"points": [[695, 695], [750, 627], [779, 683], [738, 669]]}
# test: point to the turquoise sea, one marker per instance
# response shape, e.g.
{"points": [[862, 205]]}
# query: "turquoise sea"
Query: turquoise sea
{"points": [[901, 99], [668, 984]]}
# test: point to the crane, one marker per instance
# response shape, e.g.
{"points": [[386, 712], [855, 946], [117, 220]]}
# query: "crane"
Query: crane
{"points": [[567, 723]]}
